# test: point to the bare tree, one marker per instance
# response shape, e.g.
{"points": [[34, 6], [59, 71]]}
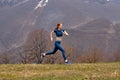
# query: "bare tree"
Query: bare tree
{"points": [[92, 55], [36, 43], [116, 55], [4, 58], [25, 55]]}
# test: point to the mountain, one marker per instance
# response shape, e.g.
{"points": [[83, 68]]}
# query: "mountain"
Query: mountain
{"points": [[85, 19], [100, 33], [11, 3]]}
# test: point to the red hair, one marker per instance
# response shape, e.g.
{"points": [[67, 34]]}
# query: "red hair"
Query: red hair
{"points": [[58, 25]]}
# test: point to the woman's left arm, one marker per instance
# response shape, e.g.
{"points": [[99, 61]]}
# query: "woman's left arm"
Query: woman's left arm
{"points": [[65, 32]]}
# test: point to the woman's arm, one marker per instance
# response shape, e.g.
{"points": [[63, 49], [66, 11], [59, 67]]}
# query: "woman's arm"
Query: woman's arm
{"points": [[65, 32], [51, 35]]}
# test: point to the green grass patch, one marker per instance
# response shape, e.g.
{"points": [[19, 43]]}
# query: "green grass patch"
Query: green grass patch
{"points": [[96, 71]]}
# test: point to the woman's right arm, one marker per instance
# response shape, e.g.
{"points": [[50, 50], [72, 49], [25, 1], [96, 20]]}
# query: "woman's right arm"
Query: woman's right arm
{"points": [[51, 35]]}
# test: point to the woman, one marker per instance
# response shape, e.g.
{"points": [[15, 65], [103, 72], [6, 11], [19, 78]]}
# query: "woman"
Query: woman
{"points": [[59, 33]]}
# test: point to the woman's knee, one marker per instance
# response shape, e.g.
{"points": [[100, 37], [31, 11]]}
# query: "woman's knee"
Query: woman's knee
{"points": [[63, 51]]}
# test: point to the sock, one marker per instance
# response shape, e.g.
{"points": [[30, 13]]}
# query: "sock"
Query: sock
{"points": [[66, 60], [44, 54]]}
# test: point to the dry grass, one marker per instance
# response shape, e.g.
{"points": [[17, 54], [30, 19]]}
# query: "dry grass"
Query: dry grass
{"points": [[97, 71]]}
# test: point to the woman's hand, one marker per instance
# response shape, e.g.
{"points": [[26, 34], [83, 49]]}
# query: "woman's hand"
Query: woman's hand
{"points": [[66, 33], [51, 39]]}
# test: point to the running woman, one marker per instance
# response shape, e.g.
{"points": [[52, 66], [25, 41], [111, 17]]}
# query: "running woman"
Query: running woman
{"points": [[57, 46]]}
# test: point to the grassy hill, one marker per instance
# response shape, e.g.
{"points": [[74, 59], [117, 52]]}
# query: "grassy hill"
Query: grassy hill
{"points": [[97, 71]]}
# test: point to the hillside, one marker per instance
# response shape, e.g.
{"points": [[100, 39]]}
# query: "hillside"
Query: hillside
{"points": [[18, 18], [100, 33], [97, 71]]}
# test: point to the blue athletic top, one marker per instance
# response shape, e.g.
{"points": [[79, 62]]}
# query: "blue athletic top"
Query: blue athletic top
{"points": [[59, 33]]}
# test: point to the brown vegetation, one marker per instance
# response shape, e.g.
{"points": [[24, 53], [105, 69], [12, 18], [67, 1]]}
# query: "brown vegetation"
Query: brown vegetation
{"points": [[92, 55]]}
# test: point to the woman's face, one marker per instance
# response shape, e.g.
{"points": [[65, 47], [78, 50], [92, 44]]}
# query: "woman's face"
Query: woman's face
{"points": [[60, 27]]}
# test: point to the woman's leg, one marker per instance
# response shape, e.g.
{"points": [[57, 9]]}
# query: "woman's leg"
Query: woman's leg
{"points": [[49, 53], [63, 51], [54, 50], [63, 54]]}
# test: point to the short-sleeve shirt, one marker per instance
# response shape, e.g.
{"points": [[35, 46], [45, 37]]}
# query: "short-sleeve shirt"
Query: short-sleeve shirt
{"points": [[59, 33]]}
